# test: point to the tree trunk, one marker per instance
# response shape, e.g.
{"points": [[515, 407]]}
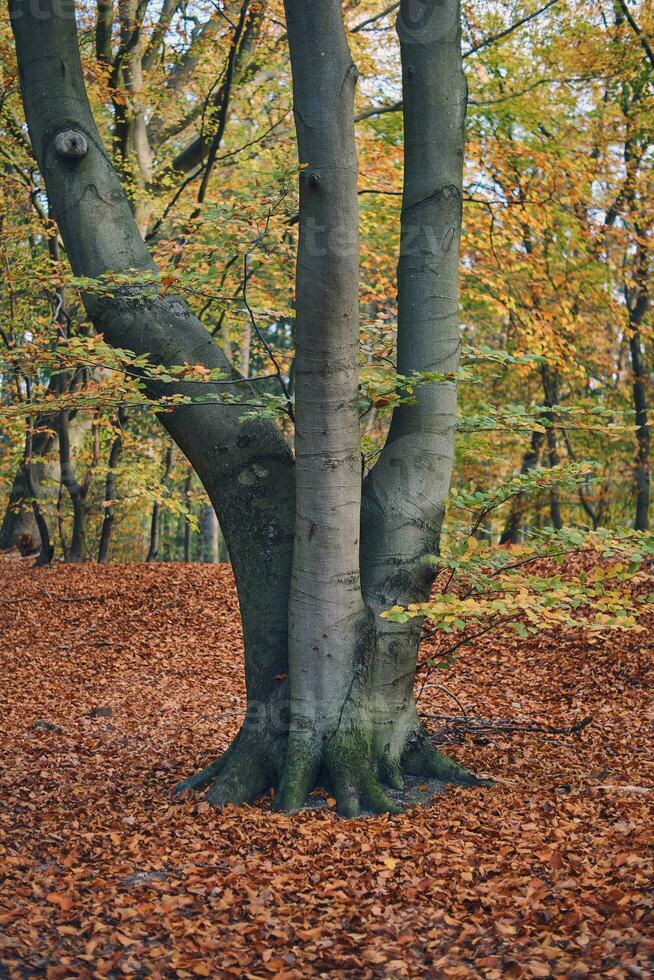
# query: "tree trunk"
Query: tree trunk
{"points": [[642, 477], [551, 392], [110, 490], [155, 521], [518, 506], [330, 629], [187, 522], [346, 718], [19, 526], [405, 493], [77, 550], [637, 300], [46, 552], [208, 535]]}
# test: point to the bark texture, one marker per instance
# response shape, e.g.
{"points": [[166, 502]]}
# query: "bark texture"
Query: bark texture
{"points": [[317, 558], [404, 495]]}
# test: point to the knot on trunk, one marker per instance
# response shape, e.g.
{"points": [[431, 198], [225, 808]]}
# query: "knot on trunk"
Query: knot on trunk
{"points": [[71, 144]]}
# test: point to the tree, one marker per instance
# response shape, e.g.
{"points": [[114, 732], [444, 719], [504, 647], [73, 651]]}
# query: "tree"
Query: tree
{"points": [[109, 517], [330, 690]]}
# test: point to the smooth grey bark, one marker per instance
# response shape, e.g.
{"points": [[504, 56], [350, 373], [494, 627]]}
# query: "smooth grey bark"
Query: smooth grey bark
{"points": [[208, 535], [247, 469], [330, 635], [405, 493], [352, 719]]}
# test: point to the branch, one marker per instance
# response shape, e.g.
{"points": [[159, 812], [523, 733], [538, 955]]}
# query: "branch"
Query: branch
{"points": [[397, 106], [508, 30], [372, 20], [457, 727], [646, 46]]}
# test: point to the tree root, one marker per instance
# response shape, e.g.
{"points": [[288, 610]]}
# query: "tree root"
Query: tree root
{"points": [[240, 775], [343, 763], [420, 758]]}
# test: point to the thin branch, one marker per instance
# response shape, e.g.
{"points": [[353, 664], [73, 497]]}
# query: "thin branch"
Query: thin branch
{"points": [[373, 20], [646, 46], [508, 30]]}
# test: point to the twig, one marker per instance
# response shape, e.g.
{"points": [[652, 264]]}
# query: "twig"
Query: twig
{"points": [[458, 725]]}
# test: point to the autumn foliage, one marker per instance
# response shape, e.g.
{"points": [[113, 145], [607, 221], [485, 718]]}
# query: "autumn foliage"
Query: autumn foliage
{"points": [[106, 873]]}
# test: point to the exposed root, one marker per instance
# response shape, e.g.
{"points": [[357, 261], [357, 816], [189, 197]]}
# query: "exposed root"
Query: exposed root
{"points": [[243, 773], [342, 762], [389, 771], [420, 758], [242, 779], [203, 778]]}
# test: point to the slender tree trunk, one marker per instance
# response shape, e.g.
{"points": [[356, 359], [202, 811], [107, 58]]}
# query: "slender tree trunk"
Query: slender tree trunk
{"points": [[637, 300], [518, 507], [405, 493], [77, 549], [208, 534], [642, 467], [188, 482], [330, 629], [110, 490], [46, 552], [551, 393], [19, 525], [155, 521]]}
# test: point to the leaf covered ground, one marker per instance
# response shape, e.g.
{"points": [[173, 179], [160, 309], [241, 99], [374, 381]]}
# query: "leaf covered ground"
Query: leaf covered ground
{"points": [[117, 681]]}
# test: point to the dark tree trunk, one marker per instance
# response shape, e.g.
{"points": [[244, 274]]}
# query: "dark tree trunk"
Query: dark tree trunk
{"points": [[155, 521], [551, 393], [76, 491], [642, 468], [518, 506], [110, 490], [188, 482], [19, 526], [46, 550], [637, 300]]}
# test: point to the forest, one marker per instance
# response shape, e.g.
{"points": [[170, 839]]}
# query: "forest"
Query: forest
{"points": [[325, 488]]}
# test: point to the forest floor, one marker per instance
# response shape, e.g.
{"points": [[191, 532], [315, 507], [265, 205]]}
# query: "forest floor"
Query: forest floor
{"points": [[117, 681]]}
